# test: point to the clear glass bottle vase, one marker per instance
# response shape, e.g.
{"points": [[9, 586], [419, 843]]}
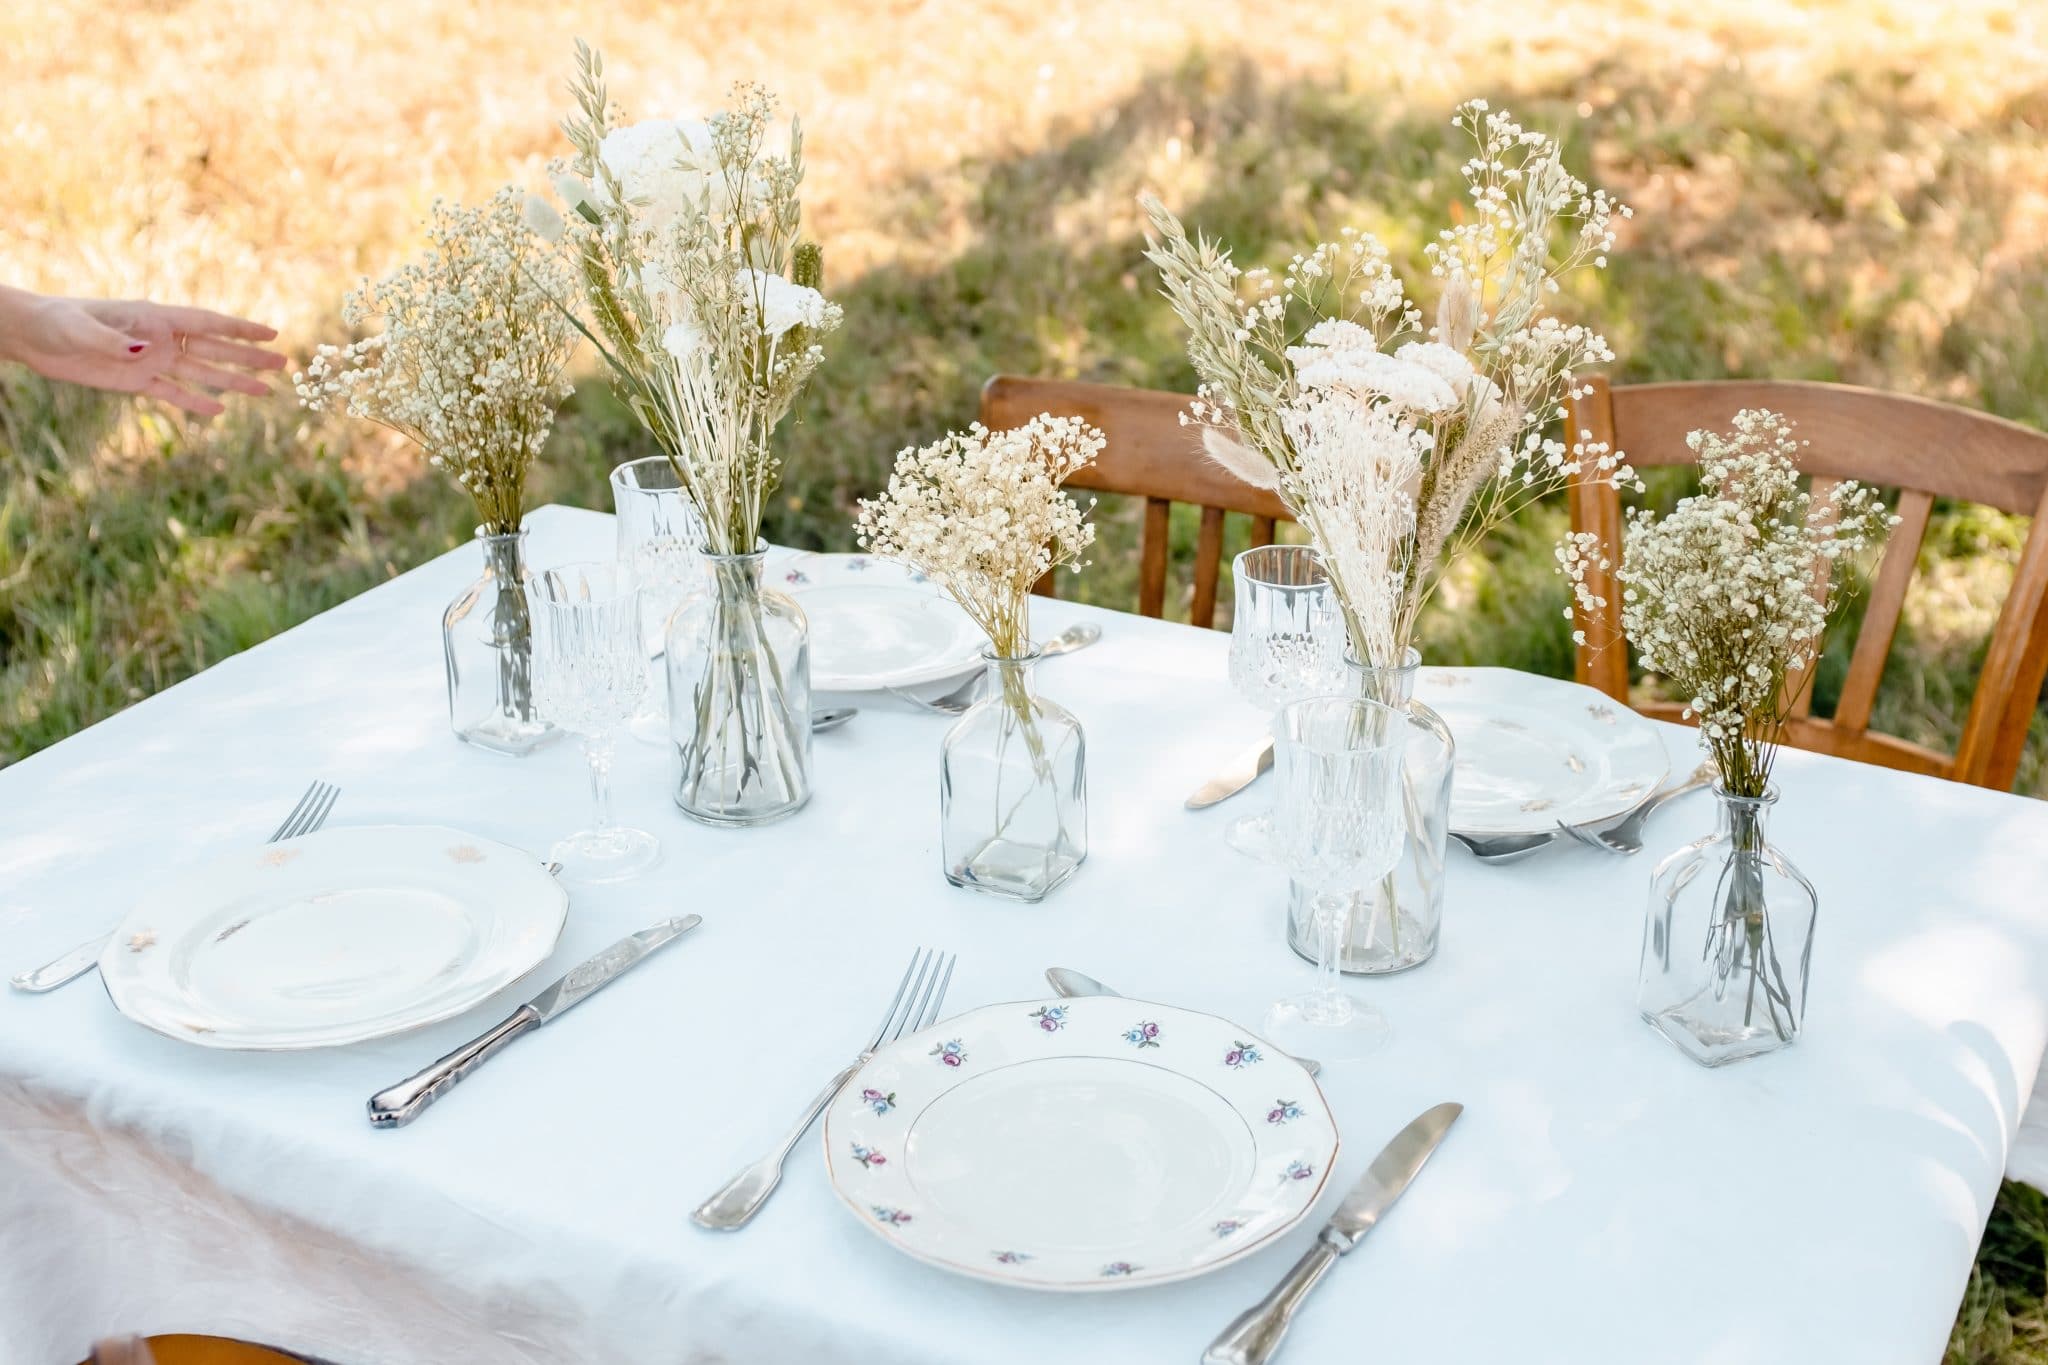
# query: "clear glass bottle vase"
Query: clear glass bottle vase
{"points": [[487, 640], [1727, 940], [1013, 788], [1395, 926], [739, 697]]}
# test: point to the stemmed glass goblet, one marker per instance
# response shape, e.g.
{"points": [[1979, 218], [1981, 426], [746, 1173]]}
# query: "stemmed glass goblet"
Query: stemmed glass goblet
{"points": [[658, 535], [589, 673], [1337, 829], [1286, 643]]}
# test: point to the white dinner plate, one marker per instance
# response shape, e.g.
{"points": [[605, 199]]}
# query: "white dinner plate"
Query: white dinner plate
{"points": [[1089, 1144], [1533, 751], [877, 624], [345, 935]]}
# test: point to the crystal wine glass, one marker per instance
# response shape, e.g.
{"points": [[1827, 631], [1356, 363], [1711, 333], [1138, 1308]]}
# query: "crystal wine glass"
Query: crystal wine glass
{"points": [[658, 535], [1337, 829], [589, 673], [1286, 643]]}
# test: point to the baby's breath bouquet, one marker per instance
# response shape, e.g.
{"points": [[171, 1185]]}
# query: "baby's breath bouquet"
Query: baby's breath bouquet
{"points": [[1728, 596], [467, 355], [703, 299], [982, 515], [1397, 445], [466, 359]]}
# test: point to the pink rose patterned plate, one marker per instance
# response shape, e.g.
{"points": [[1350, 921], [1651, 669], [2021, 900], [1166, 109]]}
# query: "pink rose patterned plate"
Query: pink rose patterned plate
{"points": [[1080, 1145]]}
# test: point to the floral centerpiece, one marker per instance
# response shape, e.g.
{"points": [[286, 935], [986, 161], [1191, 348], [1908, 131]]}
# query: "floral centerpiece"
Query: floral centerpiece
{"points": [[467, 361], [1729, 597], [1393, 444], [1397, 445], [703, 299], [983, 516]]}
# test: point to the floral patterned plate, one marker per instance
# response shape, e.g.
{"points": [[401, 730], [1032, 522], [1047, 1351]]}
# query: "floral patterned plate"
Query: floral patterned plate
{"points": [[876, 624], [1533, 751], [338, 937], [1087, 1144]]}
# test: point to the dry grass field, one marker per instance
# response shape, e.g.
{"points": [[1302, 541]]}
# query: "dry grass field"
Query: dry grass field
{"points": [[1853, 191]]}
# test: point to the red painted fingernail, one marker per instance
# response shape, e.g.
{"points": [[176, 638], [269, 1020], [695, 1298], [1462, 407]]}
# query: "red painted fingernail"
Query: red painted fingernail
{"points": [[137, 347]]}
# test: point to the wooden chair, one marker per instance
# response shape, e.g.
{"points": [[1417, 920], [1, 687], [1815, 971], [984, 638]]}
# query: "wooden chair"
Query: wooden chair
{"points": [[1925, 449], [185, 1350], [1150, 454]]}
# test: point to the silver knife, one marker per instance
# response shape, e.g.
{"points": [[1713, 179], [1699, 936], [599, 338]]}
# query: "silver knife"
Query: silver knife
{"points": [[1241, 773], [406, 1101], [1255, 1336]]}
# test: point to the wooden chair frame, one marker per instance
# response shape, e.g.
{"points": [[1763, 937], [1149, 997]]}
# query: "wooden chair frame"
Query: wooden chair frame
{"points": [[1924, 448], [1149, 452]]}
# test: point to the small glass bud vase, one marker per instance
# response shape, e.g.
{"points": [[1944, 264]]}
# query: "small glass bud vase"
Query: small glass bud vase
{"points": [[739, 697], [487, 637], [1395, 926], [1728, 940], [1013, 788]]}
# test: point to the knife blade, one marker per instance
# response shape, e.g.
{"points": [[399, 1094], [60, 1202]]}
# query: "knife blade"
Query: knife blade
{"points": [[1240, 773], [402, 1103], [1256, 1334]]}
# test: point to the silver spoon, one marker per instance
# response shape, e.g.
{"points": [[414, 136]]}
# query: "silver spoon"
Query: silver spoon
{"points": [[1071, 983], [1069, 640]]}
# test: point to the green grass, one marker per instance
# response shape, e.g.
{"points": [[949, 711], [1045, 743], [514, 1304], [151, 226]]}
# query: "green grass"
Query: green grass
{"points": [[1846, 227]]}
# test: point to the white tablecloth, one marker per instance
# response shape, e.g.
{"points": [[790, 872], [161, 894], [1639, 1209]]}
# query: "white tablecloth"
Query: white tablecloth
{"points": [[1603, 1199]]}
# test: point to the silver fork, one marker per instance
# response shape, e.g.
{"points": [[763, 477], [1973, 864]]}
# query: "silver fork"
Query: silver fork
{"points": [[307, 816], [914, 1006], [1626, 835], [956, 702]]}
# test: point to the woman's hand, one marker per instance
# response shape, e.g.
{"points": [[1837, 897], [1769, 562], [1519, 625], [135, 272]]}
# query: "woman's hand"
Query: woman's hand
{"points": [[179, 355]]}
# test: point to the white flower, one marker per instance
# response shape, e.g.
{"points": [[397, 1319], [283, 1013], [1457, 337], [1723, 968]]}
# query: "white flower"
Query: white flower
{"points": [[661, 166], [1440, 360], [783, 304], [1373, 374], [575, 193], [683, 339], [541, 218]]}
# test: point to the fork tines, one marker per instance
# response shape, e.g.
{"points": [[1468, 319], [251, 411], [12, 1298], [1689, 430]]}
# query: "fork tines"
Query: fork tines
{"points": [[919, 996], [310, 813]]}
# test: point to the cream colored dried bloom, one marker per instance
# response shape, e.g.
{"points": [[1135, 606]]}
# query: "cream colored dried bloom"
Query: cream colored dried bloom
{"points": [[1722, 595], [1357, 470], [981, 514], [1482, 386], [469, 353]]}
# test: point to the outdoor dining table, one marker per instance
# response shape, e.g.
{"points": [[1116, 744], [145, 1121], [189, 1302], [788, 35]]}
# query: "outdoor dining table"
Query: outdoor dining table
{"points": [[1603, 1199]]}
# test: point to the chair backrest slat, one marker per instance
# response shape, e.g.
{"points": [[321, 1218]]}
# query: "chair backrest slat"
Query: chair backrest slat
{"points": [[1152, 453], [1927, 450], [1881, 616]]}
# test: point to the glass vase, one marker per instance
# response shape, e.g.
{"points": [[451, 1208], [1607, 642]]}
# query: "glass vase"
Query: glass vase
{"points": [[739, 697], [1394, 927], [1727, 940], [1013, 789], [487, 638]]}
